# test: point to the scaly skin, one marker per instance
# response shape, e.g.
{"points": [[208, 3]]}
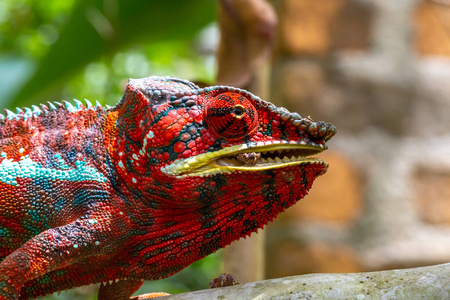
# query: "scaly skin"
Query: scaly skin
{"points": [[141, 190]]}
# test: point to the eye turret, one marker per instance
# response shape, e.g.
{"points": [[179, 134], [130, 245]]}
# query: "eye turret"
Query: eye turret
{"points": [[231, 116]]}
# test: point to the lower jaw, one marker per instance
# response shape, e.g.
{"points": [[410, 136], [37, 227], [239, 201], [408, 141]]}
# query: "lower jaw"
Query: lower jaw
{"points": [[272, 193]]}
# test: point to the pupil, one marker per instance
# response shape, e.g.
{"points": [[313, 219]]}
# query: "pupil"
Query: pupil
{"points": [[238, 111]]}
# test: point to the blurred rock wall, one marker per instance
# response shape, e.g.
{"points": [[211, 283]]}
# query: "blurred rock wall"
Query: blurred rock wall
{"points": [[380, 71]]}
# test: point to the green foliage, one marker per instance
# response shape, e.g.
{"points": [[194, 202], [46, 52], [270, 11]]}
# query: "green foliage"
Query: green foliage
{"points": [[195, 277], [53, 50], [60, 40], [28, 28]]}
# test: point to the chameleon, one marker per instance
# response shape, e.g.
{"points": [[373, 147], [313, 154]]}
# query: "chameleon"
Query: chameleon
{"points": [[138, 191]]}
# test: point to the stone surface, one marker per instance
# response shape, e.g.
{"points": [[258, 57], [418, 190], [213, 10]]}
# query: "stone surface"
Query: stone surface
{"points": [[315, 28], [432, 24], [305, 25], [351, 29], [315, 257], [299, 85], [335, 197], [433, 195]]}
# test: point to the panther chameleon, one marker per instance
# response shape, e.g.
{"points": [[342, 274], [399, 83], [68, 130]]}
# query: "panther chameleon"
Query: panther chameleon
{"points": [[139, 191]]}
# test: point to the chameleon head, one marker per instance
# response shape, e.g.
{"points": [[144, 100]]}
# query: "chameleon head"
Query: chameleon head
{"points": [[229, 160]]}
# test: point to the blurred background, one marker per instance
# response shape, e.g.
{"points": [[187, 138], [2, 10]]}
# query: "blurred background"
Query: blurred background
{"points": [[377, 69]]}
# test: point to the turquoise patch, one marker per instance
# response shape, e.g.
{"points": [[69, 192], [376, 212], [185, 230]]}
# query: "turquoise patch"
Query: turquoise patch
{"points": [[4, 232], [27, 168]]}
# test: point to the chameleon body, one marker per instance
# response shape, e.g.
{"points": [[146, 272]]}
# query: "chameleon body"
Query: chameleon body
{"points": [[143, 189]]}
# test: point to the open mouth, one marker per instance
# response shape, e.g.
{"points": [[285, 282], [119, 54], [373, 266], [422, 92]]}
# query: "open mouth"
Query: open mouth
{"points": [[246, 158]]}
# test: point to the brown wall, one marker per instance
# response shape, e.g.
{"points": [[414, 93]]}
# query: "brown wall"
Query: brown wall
{"points": [[380, 71]]}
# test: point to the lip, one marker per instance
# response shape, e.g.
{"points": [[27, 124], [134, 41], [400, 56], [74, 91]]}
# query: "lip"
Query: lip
{"points": [[271, 155]]}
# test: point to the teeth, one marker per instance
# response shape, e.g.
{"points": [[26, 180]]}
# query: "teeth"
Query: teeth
{"points": [[277, 159], [285, 159]]}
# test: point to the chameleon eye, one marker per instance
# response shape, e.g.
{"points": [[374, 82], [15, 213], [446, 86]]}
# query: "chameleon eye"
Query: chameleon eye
{"points": [[231, 116]]}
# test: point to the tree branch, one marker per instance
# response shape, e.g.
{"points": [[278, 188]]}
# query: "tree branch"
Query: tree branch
{"points": [[432, 282]]}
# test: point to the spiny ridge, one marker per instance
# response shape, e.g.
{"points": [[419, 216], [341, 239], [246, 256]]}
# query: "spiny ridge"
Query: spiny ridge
{"points": [[26, 112]]}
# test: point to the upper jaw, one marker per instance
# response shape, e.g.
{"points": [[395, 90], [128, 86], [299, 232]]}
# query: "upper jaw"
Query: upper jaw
{"points": [[268, 155]]}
